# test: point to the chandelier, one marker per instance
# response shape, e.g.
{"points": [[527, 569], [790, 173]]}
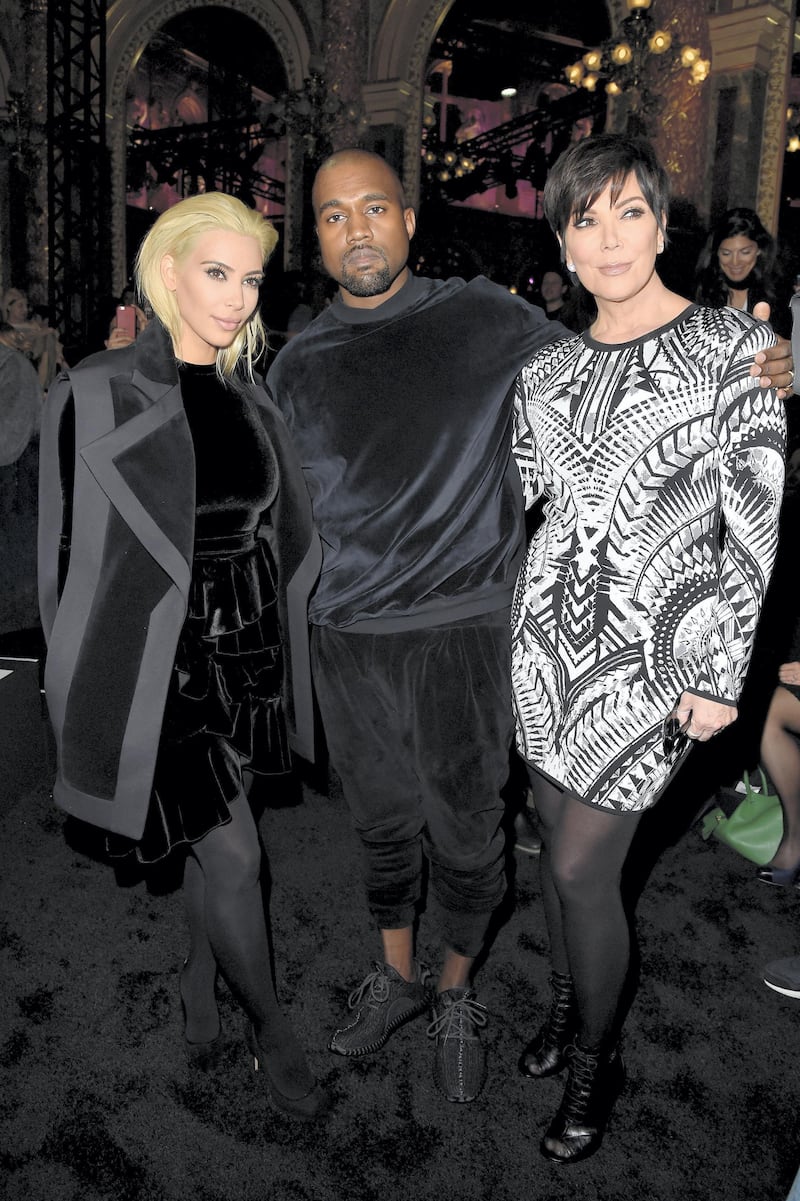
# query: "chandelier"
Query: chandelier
{"points": [[438, 154], [309, 112], [640, 56]]}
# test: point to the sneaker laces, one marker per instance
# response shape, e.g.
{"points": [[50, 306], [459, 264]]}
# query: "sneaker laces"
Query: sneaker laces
{"points": [[375, 983], [465, 1009]]}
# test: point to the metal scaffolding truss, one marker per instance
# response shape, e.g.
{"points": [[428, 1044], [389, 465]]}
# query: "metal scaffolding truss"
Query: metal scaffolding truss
{"points": [[221, 155], [515, 150], [78, 172]]}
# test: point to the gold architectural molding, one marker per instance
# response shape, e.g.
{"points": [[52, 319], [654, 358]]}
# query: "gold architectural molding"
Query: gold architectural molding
{"points": [[387, 101], [773, 139], [745, 38], [759, 37], [401, 50]]}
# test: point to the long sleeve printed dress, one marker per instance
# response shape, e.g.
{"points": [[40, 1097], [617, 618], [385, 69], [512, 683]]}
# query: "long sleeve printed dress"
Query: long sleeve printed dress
{"points": [[660, 463]]}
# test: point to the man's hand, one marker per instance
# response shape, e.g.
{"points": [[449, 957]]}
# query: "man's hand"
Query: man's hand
{"points": [[774, 367]]}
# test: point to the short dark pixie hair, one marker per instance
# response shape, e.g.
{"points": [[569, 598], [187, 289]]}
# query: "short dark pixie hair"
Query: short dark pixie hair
{"points": [[587, 167]]}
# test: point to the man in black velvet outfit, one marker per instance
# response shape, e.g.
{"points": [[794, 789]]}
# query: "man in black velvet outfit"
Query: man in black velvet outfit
{"points": [[399, 399]]}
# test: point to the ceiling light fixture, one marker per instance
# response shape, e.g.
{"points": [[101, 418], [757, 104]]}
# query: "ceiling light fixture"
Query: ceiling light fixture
{"points": [[627, 63]]}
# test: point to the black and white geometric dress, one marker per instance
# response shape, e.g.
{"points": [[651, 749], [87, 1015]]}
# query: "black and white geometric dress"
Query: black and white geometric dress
{"points": [[661, 465]]}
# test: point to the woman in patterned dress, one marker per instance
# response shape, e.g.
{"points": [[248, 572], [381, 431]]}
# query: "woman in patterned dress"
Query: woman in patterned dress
{"points": [[660, 464], [173, 523]]}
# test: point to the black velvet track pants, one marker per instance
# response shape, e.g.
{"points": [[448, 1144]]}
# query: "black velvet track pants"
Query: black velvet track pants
{"points": [[419, 725]]}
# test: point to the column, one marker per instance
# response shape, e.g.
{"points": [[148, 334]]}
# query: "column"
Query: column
{"points": [[751, 64], [680, 132], [345, 55], [29, 165]]}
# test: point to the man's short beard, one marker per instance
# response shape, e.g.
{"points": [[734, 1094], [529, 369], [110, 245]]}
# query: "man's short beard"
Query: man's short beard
{"points": [[372, 284]]}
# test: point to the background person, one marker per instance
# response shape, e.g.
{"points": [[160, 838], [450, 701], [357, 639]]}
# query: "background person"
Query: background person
{"points": [[118, 336], [37, 340], [780, 740], [780, 754], [562, 302], [737, 264], [554, 289]]}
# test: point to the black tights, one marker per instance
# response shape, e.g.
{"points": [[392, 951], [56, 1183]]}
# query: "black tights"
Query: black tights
{"points": [[780, 754], [228, 930], [583, 851]]}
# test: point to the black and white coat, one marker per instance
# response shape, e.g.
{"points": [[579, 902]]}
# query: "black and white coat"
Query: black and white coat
{"points": [[116, 531]]}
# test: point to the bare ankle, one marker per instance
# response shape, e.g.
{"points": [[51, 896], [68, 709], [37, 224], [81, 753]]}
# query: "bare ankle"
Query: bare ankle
{"points": [[455, 972], [398, 952]]}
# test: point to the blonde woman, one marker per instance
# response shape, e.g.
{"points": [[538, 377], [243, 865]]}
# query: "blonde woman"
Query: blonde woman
{"points": [[173, 516]]}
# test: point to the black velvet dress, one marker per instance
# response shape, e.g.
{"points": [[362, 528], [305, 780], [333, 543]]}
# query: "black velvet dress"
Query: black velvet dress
{"points": [[223, 709]]}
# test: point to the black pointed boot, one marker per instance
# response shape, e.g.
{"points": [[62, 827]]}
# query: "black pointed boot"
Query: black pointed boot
{"points": [[544, 1054], [594, 1082]]}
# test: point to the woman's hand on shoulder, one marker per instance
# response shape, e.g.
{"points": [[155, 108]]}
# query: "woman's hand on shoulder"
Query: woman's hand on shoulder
{"points": [[789, 673], [702, 718]]}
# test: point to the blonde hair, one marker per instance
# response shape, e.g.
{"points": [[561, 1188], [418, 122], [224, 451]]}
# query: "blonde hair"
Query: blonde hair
{"points": [[175, 233]]}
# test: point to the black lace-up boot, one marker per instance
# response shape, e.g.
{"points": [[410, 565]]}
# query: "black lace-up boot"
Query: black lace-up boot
{"points": [[544, 1054], [594, 1082]]}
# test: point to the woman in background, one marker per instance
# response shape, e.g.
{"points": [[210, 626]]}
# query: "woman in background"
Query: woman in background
{"points": [[737, 264], [634, 615], [173, 515]]}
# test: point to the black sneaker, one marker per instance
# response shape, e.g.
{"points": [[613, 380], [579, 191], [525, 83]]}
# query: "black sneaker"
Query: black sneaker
{"points": [[382, 1002], [459, 1068], [783, 975]]}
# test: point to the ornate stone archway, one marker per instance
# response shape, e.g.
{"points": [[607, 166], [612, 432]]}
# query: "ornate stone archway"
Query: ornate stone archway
{"points": [[131, 25], [394, 91]]}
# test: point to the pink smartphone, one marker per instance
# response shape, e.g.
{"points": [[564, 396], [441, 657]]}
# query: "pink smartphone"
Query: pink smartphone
{"points": [[126, 319]]}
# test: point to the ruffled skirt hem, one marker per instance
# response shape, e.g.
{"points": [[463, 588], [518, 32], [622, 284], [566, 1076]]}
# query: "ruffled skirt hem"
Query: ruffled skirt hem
{"points": [[223, 711]]}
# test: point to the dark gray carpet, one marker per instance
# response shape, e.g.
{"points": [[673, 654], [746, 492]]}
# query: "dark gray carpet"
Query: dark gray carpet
{"points": [[97, 1101]]}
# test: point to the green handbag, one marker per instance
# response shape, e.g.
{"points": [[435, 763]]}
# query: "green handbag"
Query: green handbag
{"points": [[755, 826]]}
